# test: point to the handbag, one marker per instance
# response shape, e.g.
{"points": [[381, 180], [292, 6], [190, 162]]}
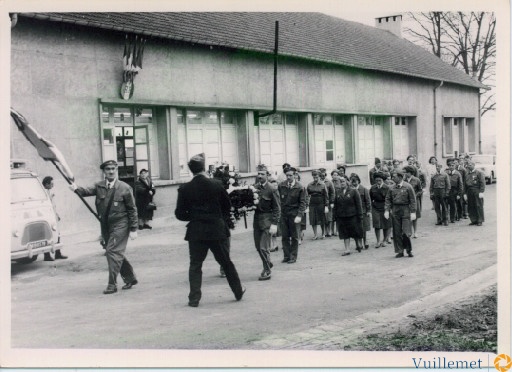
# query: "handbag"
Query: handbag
{"points": [[151, 207]]}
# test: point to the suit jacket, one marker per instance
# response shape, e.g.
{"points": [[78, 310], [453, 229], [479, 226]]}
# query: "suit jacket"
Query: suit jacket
{"points": [[206, 205], [348, 203], [293, 200]]}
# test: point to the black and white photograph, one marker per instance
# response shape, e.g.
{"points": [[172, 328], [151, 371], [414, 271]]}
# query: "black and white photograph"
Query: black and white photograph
{"points": [[256, 186]]}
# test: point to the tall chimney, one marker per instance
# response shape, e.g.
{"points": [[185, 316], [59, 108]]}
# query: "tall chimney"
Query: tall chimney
{"points": [[392, 23]]}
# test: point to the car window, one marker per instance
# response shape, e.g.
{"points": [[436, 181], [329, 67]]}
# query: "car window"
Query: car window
{"points": [[25, 189]]}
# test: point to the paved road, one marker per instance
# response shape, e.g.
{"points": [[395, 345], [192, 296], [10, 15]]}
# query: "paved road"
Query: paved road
{"points": [[60, 304]]}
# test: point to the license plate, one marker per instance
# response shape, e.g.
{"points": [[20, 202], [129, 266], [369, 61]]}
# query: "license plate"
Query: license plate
{"points": [[39, 244]]}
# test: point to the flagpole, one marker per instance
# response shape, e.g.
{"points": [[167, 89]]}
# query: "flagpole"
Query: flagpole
{"points": [[80, 196]]}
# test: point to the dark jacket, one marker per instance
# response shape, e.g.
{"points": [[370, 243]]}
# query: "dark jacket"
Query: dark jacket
{"points": [[293, 200], [456, 181], [474, 180], [206, 205], [268, 210], [143, 197], [378, 196], [364, 194], [347, 204], [400, 196]]}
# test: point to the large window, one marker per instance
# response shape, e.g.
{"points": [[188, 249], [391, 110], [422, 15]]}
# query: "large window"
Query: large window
{"points": [[329, 131], [213, 132], [278, 140], [370, 131], [129, 137], [459, 136], [401, 138]]}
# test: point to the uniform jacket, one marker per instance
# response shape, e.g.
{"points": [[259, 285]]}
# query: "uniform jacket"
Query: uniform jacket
{"points": [[378, 196], [317, 194], [348, 203], [268, 210], [403, 195], [383, 168], [205, 203], [123, 209], [330, 190], [462, 172], [456, 181], [475, 180], [364, 194], [440, 181], [415, 182], [293, 200]]}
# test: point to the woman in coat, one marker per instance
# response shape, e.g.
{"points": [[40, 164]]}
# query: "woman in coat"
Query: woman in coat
{"points": [[378, 193], [144, 191], [348, 213], [318, 202], [364, 194]]}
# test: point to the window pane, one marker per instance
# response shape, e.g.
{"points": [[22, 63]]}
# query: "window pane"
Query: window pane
{"points": [[104, 114], [329, 155], [277, 119], [317, 119], [179, 114], [108, 138], [292, 119], [448, 148], [327, 120], [211, 117], [122, 115], [194, 117], [143, 116], [227, 117], [329, 145], [128, 131]]}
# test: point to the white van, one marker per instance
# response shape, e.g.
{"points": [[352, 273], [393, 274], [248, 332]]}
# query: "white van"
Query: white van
{"points": [[33, 218]]}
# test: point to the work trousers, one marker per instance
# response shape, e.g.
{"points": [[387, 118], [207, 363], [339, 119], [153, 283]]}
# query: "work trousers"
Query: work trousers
{"points": [[198, 250], [475, 206], [453, 204], [262, 242], [114, 251], [290, 237], [440, 205], [402, 231]]}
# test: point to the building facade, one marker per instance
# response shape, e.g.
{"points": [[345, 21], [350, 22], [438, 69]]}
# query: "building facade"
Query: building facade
{"points": [[204, 95]]}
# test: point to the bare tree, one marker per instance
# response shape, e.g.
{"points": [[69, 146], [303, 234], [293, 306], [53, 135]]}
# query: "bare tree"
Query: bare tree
{"points": [[465, 40]]}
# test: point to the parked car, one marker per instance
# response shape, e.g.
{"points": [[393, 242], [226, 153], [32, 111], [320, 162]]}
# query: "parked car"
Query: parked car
{"points": [[33, 218], [486, 164]]}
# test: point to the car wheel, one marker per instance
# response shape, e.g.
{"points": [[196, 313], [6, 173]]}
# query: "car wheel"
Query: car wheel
{"points": [[27, 260]]}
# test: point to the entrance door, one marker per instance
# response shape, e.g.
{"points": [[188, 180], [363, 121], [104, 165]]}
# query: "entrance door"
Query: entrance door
{"points": [[125, 154], [142, 149]]}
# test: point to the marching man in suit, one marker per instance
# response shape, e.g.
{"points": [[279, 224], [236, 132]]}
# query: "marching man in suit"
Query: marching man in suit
{"points": [[206, 205], [266, 218]]}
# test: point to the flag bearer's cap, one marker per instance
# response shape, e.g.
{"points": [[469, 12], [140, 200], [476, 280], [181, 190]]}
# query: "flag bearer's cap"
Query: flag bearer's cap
{"points": [[108, 162]]}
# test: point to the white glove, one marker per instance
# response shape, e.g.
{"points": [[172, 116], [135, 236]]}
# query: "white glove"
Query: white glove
{"points": [[73, 187], [326, 210], [386, 215], [413, 216], [458, 197], [481, 195], [307, 210], [368, 214], [332, 206], [465, 197], [273, 229], [133, 235], [297, 219]]}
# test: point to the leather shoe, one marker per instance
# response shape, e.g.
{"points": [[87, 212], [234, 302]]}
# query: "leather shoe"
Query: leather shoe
{"points": [[358, 249], [366, 246], [285, 260], [146, 226], [110, 290], [48, 257], [399, 255], [445, 223], [410, 254], [275, 249], [59, 255], [479, 224], [439, 224], [292, 261], [239, 297], [193, 304], [265, 275], [345, 253], [270, 264], [129, 285], [472, 223]]}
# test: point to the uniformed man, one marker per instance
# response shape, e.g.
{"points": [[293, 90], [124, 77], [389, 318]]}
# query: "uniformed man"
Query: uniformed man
{"points": [[462, 206], [266, 218], [474, 194], [439, 190], [329, 220], [293, 206], [401, 201], [456, 190], [379, 167], [116, 209], [205, 204], [418, 191]]}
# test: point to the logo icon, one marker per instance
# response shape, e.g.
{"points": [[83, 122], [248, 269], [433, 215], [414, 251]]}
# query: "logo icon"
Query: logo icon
{"points": [[502, 363]]}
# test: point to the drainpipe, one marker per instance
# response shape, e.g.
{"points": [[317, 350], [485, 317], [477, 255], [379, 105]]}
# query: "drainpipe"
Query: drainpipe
{"points": [[479, 123], [14, 19], [274, 110], [435, 117]]}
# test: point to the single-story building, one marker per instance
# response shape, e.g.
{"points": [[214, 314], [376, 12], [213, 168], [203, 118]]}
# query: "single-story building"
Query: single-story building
{"points": [[346, 93]]}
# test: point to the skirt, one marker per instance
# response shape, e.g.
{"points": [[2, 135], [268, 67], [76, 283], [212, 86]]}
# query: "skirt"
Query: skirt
{"points": [[349, 227], [379, 222], [419, 205], [316, 214], [366, 222]]}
